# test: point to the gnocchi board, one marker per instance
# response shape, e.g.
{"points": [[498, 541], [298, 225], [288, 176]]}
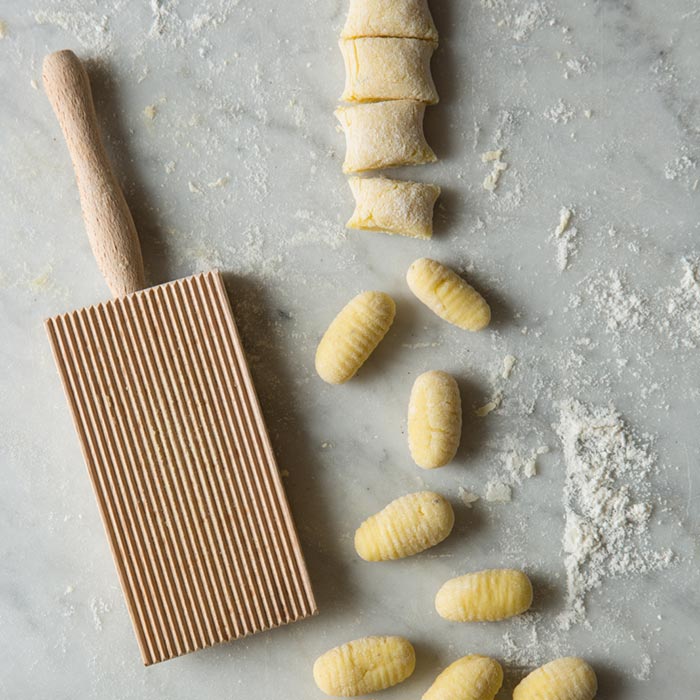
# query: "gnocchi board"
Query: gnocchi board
{"points": [[171, 429]]}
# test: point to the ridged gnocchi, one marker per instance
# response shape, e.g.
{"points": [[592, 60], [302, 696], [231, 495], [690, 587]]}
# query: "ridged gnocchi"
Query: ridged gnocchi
{"points": [[388, 68], [406, 526], [404, 18], [353, 335], [484, 596], [472, 677], [446, 294], [364, 666], [393, 206], [434, 419], [384, 135], [569, 678]]}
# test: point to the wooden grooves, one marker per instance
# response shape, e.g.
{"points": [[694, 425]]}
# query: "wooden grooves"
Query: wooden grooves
{"points": [[181, 463]]}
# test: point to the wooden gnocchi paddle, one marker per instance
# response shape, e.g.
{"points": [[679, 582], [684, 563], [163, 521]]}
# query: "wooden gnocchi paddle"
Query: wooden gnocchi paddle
{"points": [[170, 427]]}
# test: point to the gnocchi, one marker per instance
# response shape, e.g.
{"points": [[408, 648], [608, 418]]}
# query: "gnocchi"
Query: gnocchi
{"points": [[446, 294], [384, 135], [404, 18], [353, 335], [393, 206], [472, 677], [568, 678], [388, 68], [406, 526], [364, 666], [434, 419], [484, 596]]}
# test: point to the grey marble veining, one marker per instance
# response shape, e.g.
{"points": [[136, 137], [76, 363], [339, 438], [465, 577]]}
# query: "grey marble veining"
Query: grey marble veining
{"points": [[595, 105]]}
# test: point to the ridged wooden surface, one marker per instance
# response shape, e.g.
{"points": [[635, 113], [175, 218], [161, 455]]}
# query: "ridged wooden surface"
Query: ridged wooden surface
{"points": [[182, 467]]}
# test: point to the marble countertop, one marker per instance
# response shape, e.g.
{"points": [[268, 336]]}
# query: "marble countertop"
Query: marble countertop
{"points": [[219, 118]]}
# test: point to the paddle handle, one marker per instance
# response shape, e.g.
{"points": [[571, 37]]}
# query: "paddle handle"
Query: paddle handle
{"points": [[110, 227]]}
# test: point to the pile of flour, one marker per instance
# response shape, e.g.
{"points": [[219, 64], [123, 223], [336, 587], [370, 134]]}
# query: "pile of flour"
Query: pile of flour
{"points": [[606, 501]]}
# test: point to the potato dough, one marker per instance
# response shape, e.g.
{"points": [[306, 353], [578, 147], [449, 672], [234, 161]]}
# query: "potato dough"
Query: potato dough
{"points": [[434, 419], [406, 526], [446, 294], [569, 678], [402, 18], [472, 677], [353, 335], [387, 68], [364, 666], [384, 135], [393, 206], [484, 596]]}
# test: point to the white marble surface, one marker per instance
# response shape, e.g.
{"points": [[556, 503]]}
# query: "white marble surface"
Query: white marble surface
{"points": [[596, 106]]}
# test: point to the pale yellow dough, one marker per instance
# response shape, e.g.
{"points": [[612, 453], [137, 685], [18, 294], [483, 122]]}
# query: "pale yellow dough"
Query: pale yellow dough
{"points": [[387, 68], [406, 526], [402, 18], [353, 335], [484, 596], [569, 678], [393, 206], [384, 135], [446, 294], [364, 666], [434, 419], [472, 677]]}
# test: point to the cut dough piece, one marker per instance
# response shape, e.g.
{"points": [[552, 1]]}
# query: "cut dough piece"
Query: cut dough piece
{"points": [[384, 135], [434, 419], [401, 18], [353, 335], [407, 526], [387, 68], [446, 294], [569, 678], [393, 206], [472, 677], [484, 596], [364, 666]]}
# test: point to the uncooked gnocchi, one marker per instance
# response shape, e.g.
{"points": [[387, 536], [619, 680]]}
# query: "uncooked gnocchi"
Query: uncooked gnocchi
{"points": [[472, 677], [404, 18], [364, 666], [484, 596], [569, 678], [393, 206], [434, 419], [384, 135], [353, 335], [406, 526], [388, 68], [445, 293]]}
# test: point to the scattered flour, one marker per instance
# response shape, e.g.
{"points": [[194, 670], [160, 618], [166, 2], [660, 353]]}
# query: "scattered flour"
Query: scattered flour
{"points": [[219, 182], [90, 30], [621, 308], [577, 66], [521, 18], [508, 364], [680, 168], [561, 113], [467, 497], [497, 167], [683, 306], [497, 492], [606, 532], [99, 608], [487, 408], [565, 238]]}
